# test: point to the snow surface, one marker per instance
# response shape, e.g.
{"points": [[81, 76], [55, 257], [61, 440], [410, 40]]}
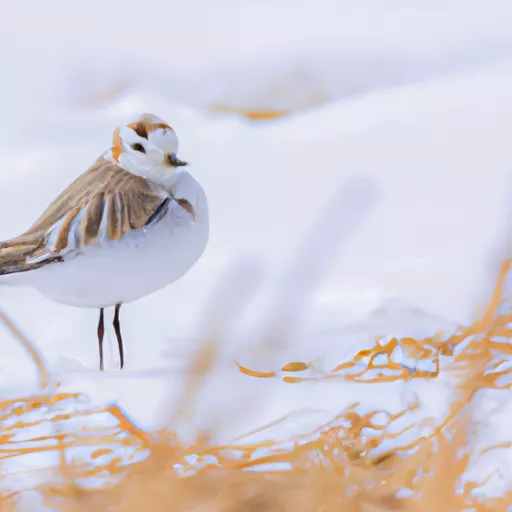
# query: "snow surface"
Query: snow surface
{"points": [[414, 97]]}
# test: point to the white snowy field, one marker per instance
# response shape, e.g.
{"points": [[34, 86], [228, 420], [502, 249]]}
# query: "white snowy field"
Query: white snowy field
{"points": [[411, 98]]}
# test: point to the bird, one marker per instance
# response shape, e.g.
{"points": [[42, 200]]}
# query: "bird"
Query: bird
{"points": [[135, 221]]}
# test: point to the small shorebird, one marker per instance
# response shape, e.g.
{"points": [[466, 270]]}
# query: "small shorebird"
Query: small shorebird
{"points": [[132, 223]]}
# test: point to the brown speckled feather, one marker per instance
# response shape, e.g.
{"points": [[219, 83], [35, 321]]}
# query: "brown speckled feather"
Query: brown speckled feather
{"points": [[104, 203]]}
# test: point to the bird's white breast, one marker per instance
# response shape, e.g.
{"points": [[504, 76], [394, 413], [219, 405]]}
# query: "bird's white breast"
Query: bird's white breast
{"points": [[142, 262]]}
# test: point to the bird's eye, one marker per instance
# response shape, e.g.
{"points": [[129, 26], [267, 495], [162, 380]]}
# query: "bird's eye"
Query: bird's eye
{"points": [[138, 147]]}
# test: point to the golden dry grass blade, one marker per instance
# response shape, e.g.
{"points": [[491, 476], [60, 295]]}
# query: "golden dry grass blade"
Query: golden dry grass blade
{"points": [[29, 347], [357, 461]]}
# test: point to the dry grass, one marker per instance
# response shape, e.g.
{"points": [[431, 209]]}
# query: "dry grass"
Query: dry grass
{"points": [[337, 467]]}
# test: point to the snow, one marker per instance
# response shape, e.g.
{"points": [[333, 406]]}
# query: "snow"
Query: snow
{"points": [[412, 97]]}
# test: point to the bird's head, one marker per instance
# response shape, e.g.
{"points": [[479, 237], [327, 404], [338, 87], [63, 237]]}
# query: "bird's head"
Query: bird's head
{"points": [[147, 147]]}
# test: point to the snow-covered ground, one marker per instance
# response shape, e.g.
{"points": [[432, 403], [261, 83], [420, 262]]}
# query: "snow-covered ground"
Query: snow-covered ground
{"points": [[412, 97]]}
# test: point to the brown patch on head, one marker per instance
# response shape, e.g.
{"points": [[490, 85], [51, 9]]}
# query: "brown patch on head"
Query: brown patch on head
{"points": [[117, 147], [140, 129], [156, 126], [147, 125]]}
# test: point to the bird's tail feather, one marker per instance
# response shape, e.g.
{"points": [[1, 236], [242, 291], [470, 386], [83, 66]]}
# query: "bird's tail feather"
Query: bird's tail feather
{"points": [[15, 255]]}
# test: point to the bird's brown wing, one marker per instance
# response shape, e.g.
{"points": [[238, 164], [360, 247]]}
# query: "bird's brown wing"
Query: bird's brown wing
{"points": [[103, 204]]}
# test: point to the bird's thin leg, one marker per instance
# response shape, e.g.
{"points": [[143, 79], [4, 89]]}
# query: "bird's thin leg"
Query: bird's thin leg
{"points": [[101, 332], [117, 328]]}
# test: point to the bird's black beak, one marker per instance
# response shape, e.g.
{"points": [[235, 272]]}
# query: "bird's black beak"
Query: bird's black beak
{"points": [[175, 161]]}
